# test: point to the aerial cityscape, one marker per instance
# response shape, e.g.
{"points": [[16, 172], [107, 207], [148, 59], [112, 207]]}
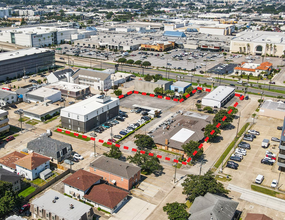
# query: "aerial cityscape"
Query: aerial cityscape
{"points": [[142, 110]]}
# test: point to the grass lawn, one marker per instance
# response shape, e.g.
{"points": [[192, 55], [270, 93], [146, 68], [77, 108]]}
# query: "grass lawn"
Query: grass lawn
{"points": [[23, 119], [264, 190], [178, 165], [71, 135], [222, 178], [32, 122], [52, 119], [27, 191], [170, 152]]}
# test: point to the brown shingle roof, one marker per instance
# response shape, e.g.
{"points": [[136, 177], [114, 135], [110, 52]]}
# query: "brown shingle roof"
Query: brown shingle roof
{"points": [[82, 180], [32, 161], [10, 159], [108, 196], [253, 216]]}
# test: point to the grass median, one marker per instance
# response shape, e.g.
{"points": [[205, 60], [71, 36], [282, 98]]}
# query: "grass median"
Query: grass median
{"points": [[230, 147], [264, 190], [72, 135]]}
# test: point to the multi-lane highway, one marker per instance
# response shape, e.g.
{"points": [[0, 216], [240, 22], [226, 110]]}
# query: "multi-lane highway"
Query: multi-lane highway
{"points": [[89, 62]]}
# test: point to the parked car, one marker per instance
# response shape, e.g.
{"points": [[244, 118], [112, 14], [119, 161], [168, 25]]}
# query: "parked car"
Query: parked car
{"points": [[265, 161], [138, 111], [112, 140], [246, 138], [62, 100], [275, 139], [118, 136], [274, 183], [68, 162], [238, 155], [250, 135], [10, 138], [265, 143], [239, 151], [233, 163], [253, 132], [116, 122], [25, 77], [106, 126], [97, 130], [199, 101], [70, 103], [120, 118], [279, 127], [122, 133], [235, 158], [232, 166], [144, 113], [259, 179], [24, 208], [75, 160], [78, 156]]}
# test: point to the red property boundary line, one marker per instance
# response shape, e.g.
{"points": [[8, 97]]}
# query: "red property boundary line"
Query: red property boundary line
{"points": [[241, 97]]}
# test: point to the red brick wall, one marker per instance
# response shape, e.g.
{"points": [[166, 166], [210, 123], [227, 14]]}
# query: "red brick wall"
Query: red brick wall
{"points": [[125, 183]]}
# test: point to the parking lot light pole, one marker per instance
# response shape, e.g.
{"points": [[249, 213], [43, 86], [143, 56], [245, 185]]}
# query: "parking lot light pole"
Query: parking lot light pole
{"points": [[94, 145]]}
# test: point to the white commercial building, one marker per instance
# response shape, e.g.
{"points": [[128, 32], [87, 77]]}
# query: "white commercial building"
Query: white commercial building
{"points": [[43, 94], [42, 36], [4, 12], [219, 96], [259, 43]]}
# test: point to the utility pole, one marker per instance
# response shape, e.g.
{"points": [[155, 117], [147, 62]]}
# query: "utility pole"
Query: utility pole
{"points": [[238, 124], [174, 180], [94, 146], [201, 165], [21, 121]]}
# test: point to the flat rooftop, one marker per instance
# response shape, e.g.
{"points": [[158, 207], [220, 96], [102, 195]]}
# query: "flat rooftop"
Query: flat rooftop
{"points": [[269, 104], [20, 53], [61, 207], [41, 108], [88, 105], [43, 92], [72, 87], [219, 93]]}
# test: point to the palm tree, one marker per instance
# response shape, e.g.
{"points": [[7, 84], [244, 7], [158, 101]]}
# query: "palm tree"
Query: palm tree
{"points": [[248, 48], [274, 49], [267, 47]]}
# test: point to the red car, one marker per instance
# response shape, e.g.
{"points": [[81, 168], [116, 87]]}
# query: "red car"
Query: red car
{"points": [[10, 138], [24, 208], [112, 140]]}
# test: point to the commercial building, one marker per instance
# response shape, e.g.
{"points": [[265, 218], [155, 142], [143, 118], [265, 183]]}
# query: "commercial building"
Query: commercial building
{"points": [[44, 94], [145, 86], [100, 80], [42, 36], [5, 12], [281, 155], [180, 86], [219, 96], [158, 46], [72, 90], [176, 34], [89, 113], [41, 111], [116, 172], [258, 43], [60, 76], [91, 188], [11, 178], [7, 97], [53, 205], [58, 151], [120, 78], [30, 166], [4, 122], [272, 109], [8, 161], [179, 130], [17, 63], [254, 68]]}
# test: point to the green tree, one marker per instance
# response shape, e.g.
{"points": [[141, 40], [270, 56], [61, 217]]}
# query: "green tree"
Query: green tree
{"points": [[189, 90], [118, 92], [144, 142], [157, 77], [130, 61], [122, 60], [109, 15], [146, 63], [158, 90], [219, 116], [138, 62], [39, 81], [195, 185], [208, 109], [8, 198], [148, 78], [176, 211], [170, 93], [192, 146], [115, 152], [208, 130], [148, 164], [235, 110], [198, 106]]}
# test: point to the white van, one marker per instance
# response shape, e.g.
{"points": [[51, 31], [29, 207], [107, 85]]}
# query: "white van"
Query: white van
{"points": [[259, 179]]}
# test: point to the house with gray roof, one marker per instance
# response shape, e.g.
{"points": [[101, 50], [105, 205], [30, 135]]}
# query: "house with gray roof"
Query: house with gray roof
{"points": [[212, 207], [116, 172], [100, 80], [64, 75], [10, 177], [7, 97], [52, 148]]}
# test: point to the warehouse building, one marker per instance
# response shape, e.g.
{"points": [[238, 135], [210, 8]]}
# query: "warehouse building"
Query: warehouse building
{"points": [[17, 63], [149, 87], [219, 96], [89, 113], [72, 90], [42, 94], [272, 109]]}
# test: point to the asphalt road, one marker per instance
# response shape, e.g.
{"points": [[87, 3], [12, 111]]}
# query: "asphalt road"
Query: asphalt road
{"points": [[104, 65]]}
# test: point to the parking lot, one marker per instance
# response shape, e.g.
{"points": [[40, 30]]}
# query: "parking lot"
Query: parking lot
{"points": [[251, 165]]}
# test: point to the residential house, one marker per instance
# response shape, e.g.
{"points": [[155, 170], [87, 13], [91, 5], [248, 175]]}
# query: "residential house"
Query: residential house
{"points": [[8, 162], [90, 187], [7, 97], [31, 165], [212, 206], [55, 206], [64, 75], [100, 80], [116, 172], [52, 148], [11, 178]]}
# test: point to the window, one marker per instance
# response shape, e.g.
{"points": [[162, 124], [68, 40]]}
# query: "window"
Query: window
{"points": [[47, 215], [68, 120], [94, 169], [77, 116], [122, 179], [68, 114]]}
